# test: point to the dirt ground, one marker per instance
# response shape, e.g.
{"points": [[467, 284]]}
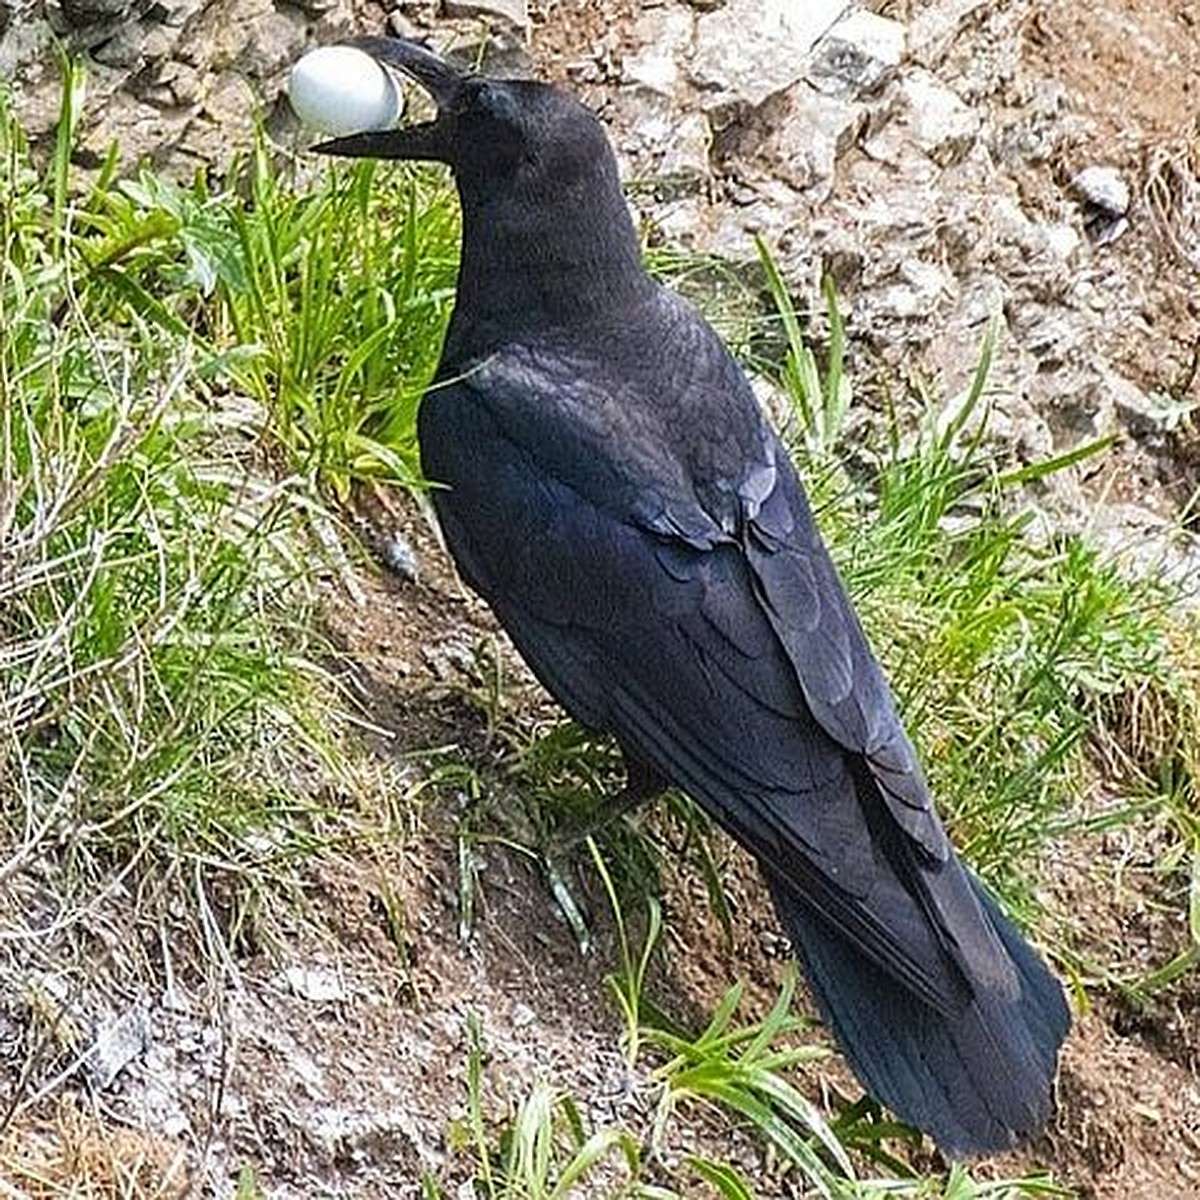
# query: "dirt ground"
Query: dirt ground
{"points": [[333, 1061], [1131, 69]]}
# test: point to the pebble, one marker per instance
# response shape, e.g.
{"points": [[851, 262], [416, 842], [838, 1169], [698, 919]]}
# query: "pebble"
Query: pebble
{"points": [[1104, 188]]}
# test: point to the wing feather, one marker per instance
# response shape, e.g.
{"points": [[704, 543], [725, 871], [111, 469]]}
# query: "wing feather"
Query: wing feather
{"points": [[731, 662]]}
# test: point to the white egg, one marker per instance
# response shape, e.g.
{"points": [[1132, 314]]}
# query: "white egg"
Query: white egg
{"points": [[341, 90]]}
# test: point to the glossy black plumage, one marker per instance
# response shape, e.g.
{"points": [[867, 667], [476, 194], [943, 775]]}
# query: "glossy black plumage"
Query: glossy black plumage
{"points": [[612, 489]]}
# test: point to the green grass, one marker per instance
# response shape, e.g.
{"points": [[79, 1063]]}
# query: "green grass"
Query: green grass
{"points": [[188, 380], [324, 306], [733, 1075]]}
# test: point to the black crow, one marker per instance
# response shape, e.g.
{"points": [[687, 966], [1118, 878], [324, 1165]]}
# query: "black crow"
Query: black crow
{"points": [[612, 489]]}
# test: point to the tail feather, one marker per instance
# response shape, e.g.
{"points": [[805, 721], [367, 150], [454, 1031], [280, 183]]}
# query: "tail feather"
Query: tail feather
{"points": [[977, 1080]]}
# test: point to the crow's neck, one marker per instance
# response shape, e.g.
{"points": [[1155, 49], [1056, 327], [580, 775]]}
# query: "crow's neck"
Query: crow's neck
{"points": [[537, 262]]}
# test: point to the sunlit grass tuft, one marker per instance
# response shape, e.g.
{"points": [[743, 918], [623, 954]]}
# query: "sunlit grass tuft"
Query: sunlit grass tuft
{"points": [[161, 705], [188, 378]]}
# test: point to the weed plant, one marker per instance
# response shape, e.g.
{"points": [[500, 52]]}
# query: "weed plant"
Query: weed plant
{"points": [[151, 713]]}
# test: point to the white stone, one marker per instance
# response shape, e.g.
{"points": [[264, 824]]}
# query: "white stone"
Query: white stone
{"points": [[317, 984], [662, 36], [687, 152], [522, 1015], [815, 131], [1062, 240], [934, 27], [751, 49], [922, 286], [119, 1041], [938, 120], [857, 54], [1103, 188], [872, 35], [662, 139]]}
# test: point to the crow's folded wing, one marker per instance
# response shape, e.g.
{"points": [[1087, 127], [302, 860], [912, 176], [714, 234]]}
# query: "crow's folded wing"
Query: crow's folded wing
{"points": [[699, 619]]}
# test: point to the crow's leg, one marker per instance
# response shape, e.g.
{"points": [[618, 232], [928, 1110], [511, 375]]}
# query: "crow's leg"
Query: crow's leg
{"points": [[642, 782]]}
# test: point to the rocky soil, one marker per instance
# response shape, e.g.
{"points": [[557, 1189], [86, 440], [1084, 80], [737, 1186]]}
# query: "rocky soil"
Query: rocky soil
{"points": [[951, 163]]}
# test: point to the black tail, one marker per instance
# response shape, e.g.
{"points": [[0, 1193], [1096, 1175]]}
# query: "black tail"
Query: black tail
{"points": [[976, 1080]]}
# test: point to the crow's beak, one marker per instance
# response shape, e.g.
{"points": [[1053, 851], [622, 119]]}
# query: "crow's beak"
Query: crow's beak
{"points": [[429, 141]]}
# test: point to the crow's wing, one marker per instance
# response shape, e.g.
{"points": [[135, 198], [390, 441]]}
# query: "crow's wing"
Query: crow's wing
{"points": [[645, 542]]}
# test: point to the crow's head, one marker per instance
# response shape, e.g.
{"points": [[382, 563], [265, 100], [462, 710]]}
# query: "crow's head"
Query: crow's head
{"points": [[495, 130], [547, 237]]}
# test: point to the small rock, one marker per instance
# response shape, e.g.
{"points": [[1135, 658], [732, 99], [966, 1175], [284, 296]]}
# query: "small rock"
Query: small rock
{"points": [[938, 120], [123, 49], [662, 36], [917, 293], [276, 40], [158, 42], [80, 14], [797, 136], [664, 144], [186, 84], [451, 657], [515, 12], [815, 132], [1046, 333], [1103, 188], [934, 28], [38, 105], [142, 129], [1104, 195], [1061, 241], [858, 55], [686, 152], [317, 984], [764, 213], [259, 844], [400, 556], [1145, 412], [400, 24], [1079, 406], [118, 1042], [751, 49], [25, 51], [176, 13], [229, 105]]}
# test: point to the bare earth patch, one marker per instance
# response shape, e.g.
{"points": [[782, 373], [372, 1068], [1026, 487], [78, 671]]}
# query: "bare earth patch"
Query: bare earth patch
{"points": [[1131, 72]]}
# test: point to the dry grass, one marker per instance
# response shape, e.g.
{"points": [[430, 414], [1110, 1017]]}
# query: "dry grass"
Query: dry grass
{"points": [[78, 1155]]}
